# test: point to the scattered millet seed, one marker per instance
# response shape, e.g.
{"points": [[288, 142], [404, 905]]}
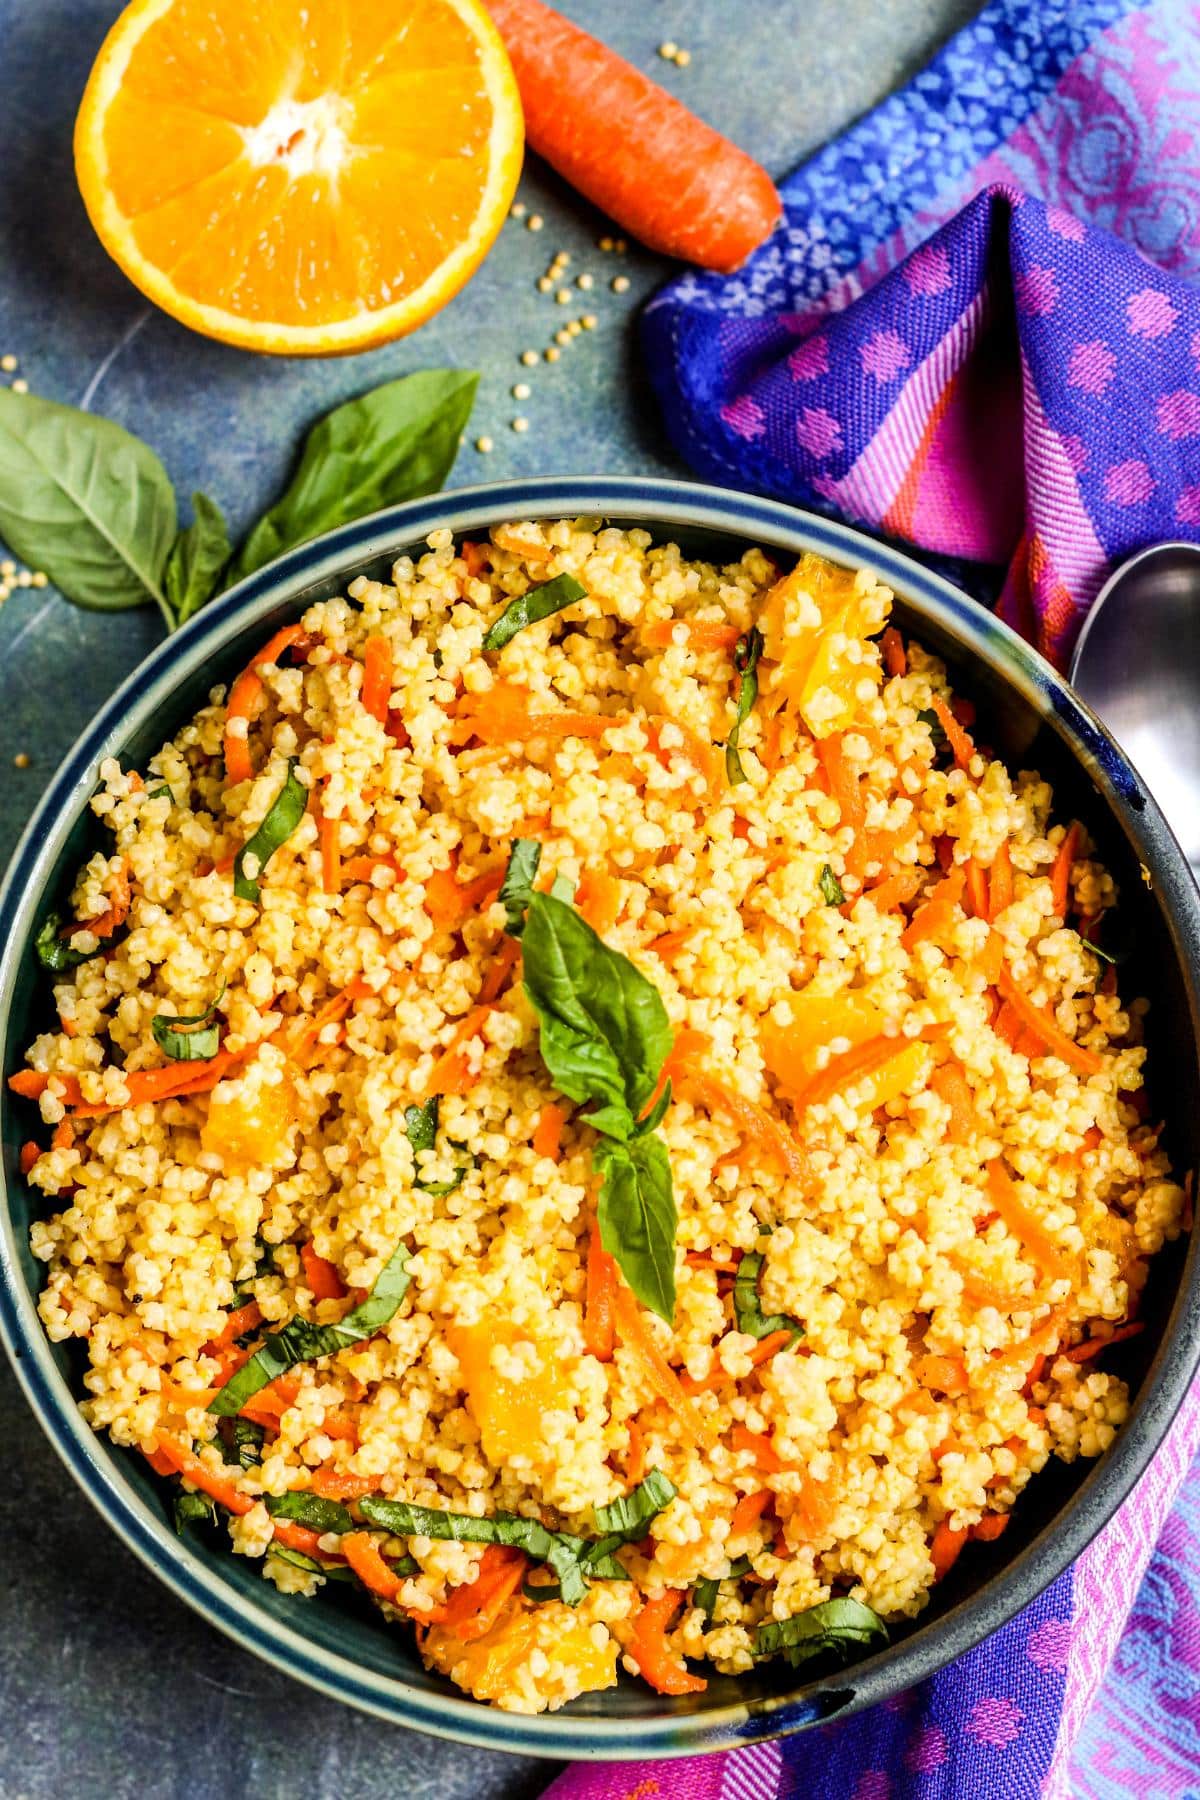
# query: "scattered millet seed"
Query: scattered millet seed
{"points": [[8, 570], [620, 284], [563, 258], [620, 246], [668, 51], [605, 244], [8, 362], [517, 210], [520, 424], [529, 357], [562, 337], [563, 296], [24, 578], [589, 321], [522, 391], [21, 759], [5, 591], [573, 328], [544, 284], [40, 578], [551, 354], [682, 58], [534, 222], [584, 281], [483, 445], [20, 387]]}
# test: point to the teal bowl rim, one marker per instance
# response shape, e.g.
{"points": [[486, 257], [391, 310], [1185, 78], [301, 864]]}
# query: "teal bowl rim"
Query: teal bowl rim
{"points": [[663, 506]]}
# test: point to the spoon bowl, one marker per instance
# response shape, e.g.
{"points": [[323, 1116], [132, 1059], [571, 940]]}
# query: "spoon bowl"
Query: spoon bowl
{"points": [[1137, 664]]}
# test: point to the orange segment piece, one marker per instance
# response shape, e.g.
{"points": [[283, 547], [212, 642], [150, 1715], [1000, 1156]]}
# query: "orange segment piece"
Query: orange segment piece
{"points": [[300, 179]]}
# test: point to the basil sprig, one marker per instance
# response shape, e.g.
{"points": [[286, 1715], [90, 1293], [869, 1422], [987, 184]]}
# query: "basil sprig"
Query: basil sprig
{"points": [[747, 1308], [302, 1341], [93, 506], [842, 1628], [54, 951], [539, 603], [283, 815], [832, 892], [746, 653], [604, 1037], [421, 1125], [188, 1037]]}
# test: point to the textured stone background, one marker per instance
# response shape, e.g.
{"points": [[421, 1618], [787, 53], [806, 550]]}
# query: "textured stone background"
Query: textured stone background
{"points": [[108, 1686]]}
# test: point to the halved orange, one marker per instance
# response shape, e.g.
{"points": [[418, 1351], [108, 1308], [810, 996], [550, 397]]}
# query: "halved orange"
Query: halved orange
{"points": [[300, 178]]}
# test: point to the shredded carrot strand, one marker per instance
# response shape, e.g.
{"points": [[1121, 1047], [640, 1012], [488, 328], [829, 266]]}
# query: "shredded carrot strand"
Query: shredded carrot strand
{"points": [[1026, 1227], [341, 1484], [648, 1647], [950, 1084], [361, 1553], [888, 895], [1093, 1346], [945, 1549], [1060, 877], [547, 1136], [321, 1276], [1087, 1062], [452, 1072], [599, 899], [698, 634], [977, 890], [328, 833], [956, 737], [748, 1511], [182, 1462], [937, 913], [990, 1527], [895, 659], [245, 699], [948, 1374], [1000, 886], [655, 1369], [759, 1446], [500, 968], [30, 1153], [474, 1607], [377, 677], [762, 1352], [599, 1307], [635, 1466]]}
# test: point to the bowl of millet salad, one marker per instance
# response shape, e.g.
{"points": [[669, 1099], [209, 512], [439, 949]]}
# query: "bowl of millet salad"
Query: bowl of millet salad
{"points": [[599, 1111]]}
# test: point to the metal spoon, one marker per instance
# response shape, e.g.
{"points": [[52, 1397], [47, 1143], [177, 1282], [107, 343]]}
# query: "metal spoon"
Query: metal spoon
{"points": [[1137, 664]]}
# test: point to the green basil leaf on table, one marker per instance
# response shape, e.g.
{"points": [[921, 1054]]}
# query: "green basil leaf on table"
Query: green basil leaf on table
{"points": [[747, 1308], [188, 1037], [190, 1509], [840, 1627], [395, 443], [745, 660], [637, 1217], [86, 501], [832, 892], [539, 603], [311, 1510], [54, 951], [516, 890], [193, 568], [301, 1341], [283, 815]]}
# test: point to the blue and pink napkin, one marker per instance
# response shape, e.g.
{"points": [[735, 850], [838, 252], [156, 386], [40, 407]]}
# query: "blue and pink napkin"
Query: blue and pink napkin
{"points": [[975, 330]]}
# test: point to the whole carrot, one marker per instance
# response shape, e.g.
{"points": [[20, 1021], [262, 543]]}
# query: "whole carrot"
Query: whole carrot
{"points": [[630, 147]]}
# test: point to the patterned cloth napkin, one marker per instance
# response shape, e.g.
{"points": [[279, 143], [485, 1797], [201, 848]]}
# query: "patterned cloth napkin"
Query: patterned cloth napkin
{"points": [[974, 331]]}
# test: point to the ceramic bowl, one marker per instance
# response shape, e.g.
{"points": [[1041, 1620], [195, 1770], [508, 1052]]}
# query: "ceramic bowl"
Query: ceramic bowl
{"points": [[338, 1642]]}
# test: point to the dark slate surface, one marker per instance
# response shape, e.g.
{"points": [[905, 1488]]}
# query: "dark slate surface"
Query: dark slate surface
{"points": [[108, 1685]]}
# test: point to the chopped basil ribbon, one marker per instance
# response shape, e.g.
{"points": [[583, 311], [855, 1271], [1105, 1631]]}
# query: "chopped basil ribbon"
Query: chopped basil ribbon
{"points": [[310, 1510], [188, 1037], [625, 1521], [604, 1037], [706, 1593], [158, 792], [746, 1306], [1097, 951], [191, 1508], [421, 1124], [284, 814], [516, 889], [840, 1627], [832, 891], [241, 1442], [746, 653], [937, 731], [284, 1553], [302, 1341], [54, 951], [539, 603]]}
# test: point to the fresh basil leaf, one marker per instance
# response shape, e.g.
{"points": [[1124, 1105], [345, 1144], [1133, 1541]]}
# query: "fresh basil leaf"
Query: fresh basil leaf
{"points": [[625, 1520], [395, 443], [840, 1627], [604, 1029], [437, 1190], [747, 1308], [516, 890], [158, 792], [193, 569], [190, 1509], [937, 731], [637, 1217], [706, 1593], [653, 1119], [539, 603], [86, 501], [54, 951], [283, 815], [745, 661], [558, 1550], [188, 1037], [302, 1341], [241, 1442], [311, 1510], [832, 891], [612, 1121], [421, 1124]]}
